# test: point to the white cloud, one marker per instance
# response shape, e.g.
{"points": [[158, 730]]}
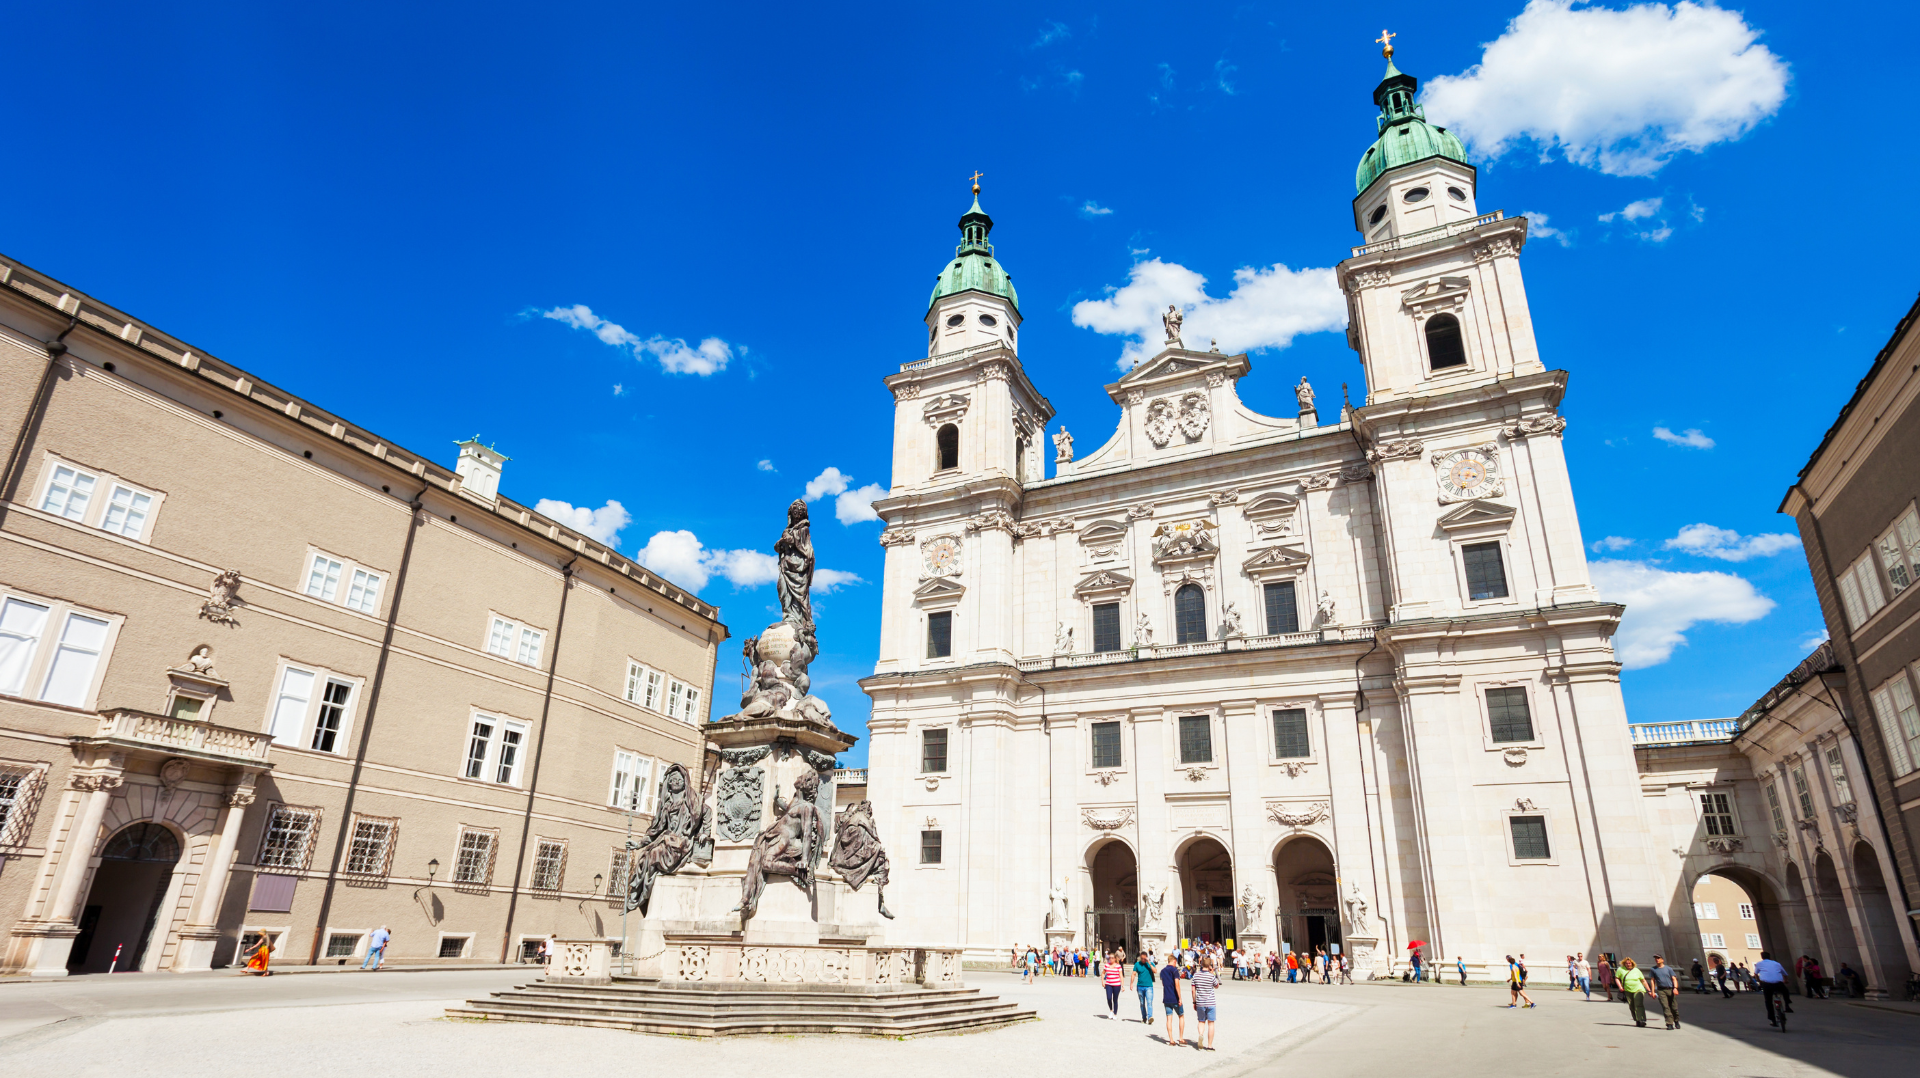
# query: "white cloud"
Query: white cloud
{"points": [[1728, 545], [1656, 232], [1537, 227], [603, 524], [1267, 308], [1094, 209], [1813, 640], [1620, 91], [851, 505], [1691, 438], [682, 558], [766, 466], [1050, 33], [1663, 605], [1611, 543], [674, 355], [619, 390], [1646, 207], [828, 581]]}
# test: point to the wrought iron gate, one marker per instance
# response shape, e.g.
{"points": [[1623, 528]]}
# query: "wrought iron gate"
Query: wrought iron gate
{"points": [[1114, 927], [1215, 924]]}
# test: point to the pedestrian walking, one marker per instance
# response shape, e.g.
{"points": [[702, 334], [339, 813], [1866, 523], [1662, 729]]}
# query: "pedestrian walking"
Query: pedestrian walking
{"points": [[1606, 976], [1170, 1005], [1583, 973], [1293, 967], [1111, 976], [1517, 982], [1633, 984], [376, 948], [1666, 986], [1573, 978], [1720, 974], [1346, 970], [258, 963], [1461, 964], [1699, 976], [1416, 965], [1143, 987], [1206, 986]]}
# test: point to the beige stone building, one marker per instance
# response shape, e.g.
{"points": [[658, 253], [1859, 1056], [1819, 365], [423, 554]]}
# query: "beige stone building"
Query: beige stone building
{"points": [[264, 674]]}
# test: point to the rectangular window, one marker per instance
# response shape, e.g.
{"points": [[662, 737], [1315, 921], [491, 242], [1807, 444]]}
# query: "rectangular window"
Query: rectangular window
{"points": [[940, 634], [323, 578], [453, 947], [1892, 703], [933, 751], [1753, 941], [332, 717], [636, 677], [1283, 609], [687, 708], [68, 493], [479, 746], [531, 641], [473, 861], [1707, 911], [674, 690], [371, 851], [1196, 739], [1900, 552], [631, 775], [363, 592], [290, 707], [1804, 792], [1106, 626], [21, 626], [287, 840], [341, 944], [1508, 715], [1713, 939], [1860, 590], [655, 681], [1529, 838], [15, 786], [1486, 576], [70, 675], [1773, 806], [506, 769], [1746, 912], [929, 847], [1290, 734], [1837, 771], [1717, 810], [1106, 744], [617, 873], [549, 865], [127, 510], [500, 638]]}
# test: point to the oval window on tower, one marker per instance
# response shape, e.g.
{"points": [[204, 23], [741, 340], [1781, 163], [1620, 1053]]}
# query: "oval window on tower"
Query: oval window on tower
{"points": [[989, 320], [1418, 194], [1379, 212], [1456, 194], [955, 320]]}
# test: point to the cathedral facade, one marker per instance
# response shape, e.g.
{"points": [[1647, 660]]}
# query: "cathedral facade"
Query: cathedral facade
{"points": [[1289, 681]]}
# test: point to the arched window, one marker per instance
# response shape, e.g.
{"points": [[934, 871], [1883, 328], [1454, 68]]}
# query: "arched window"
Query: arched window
{"points": [[1189, 614], [1443, 343], [949, 441]]}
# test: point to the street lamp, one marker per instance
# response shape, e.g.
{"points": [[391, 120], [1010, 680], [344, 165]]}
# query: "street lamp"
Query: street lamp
{"points": [[433, 868]]}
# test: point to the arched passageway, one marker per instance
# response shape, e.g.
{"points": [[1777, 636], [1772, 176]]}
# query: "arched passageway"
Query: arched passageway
{"points": [[1206, 891], [1113, 904], [1881, 952], [1308, 916], [1738, 914], [136, 866]]}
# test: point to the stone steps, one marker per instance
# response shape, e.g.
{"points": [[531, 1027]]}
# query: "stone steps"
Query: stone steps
{"points": [[715, 1011]]}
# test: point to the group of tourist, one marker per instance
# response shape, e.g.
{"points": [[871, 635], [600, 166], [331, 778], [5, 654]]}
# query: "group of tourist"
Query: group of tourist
{"points": [[1034, 962]]}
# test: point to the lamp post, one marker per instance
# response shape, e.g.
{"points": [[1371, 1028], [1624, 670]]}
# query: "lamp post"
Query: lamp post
{"points": [[433, 868]]}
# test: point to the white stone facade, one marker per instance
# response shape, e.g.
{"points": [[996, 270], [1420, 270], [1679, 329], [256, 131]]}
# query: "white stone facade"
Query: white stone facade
{"points": [[1394, 819]]}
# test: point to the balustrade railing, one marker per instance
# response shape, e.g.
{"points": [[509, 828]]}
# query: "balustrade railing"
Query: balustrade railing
{"points": [[1680, 733], [195, 734], [1339, 634], [1428, 235]]}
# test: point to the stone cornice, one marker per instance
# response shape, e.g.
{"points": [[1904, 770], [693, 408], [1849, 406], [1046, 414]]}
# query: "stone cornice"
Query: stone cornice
{"points": [[1431, 413], [947, 371]]}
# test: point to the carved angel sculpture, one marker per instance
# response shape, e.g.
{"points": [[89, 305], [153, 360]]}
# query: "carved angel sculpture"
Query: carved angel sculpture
{"points": [[857, 853], [791, 847], [679, 822], [222, 597]]}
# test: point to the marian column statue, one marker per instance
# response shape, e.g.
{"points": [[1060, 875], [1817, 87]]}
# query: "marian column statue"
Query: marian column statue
{"points": [[795, 551]]}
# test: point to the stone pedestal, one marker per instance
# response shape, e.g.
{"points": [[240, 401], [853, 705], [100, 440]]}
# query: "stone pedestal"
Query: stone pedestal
{"points": [[1365, 951], [583, 962], [1059, 937]]}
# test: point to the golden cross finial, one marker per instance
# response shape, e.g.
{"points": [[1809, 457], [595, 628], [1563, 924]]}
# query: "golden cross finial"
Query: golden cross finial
{"points": [[976, 180], [1386, 39]]}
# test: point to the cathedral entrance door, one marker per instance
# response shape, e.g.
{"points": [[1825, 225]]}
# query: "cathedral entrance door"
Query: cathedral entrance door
{"points": [[123, 905]]}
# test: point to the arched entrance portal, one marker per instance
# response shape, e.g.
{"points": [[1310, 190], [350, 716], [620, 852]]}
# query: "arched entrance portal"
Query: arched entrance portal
{"points": [[1732, 903], [1113, 906], [1206, 892], [136, 865], [1308, 916]]}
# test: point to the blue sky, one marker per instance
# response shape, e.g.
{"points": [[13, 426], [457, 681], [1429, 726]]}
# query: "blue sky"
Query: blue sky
{"points": [[735, 215]]}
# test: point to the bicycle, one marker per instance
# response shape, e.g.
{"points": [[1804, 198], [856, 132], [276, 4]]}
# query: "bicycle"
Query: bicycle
{"points": [[1776, 999]]}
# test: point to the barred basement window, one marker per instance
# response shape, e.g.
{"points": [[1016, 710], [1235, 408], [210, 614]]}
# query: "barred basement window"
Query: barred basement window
{"points": [[287, 841], [370, 852], [1106, 627], [453, 947], [549, 865], [929, 847], [933, 751], [617, 873], [1486, 576], [341, 945], [1196, 739], [16, 787], [1283, 609], [473, 862], [1718, 812], [1290, 734], [1529, 838], [1510, 720], [1106, 744]]}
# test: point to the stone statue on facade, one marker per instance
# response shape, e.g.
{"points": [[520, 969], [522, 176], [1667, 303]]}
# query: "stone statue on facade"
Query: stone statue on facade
{"points": [[857, 853], [1230, 623], [680, 822], [790, 847], [1173, 320], [777, 659], [1062, 447], [1253, 904], [1058, 914], [1062, 639], [1326, 612], [201, 661], [1153, 902], [1357, 922], [1143, 631], [222, 596], [1304, 394]]}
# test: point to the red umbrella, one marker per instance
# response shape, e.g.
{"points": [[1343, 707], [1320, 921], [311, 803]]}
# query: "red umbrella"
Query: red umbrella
{"points": [[1411, 944]]}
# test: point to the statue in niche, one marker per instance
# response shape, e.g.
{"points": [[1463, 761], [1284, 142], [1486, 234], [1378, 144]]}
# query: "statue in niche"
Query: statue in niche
{"points": [[1152, 905], [1062, 447], [1173, 320], [1357, 911], [1325, 614], [791, 847], [680, 822], [1252, 903], [857, 853], [1143, 631], [201, 661], [1058, 914], [1230, 624], [1304, 394], [1063, 639]]}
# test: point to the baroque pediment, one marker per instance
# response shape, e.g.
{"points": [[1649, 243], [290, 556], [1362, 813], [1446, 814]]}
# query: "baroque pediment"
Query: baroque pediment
{"points": [[1271, 514], [1440, 294], [1275, 561], [1104, 581], [1478, 513], [1103, 533], [939, 590]]}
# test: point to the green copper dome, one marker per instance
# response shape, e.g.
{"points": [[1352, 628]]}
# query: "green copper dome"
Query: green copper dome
{"points": [[973, 267], [1405, 134]]}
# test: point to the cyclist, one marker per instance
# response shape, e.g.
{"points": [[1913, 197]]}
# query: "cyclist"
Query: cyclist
{"points": [[1773, 982]]}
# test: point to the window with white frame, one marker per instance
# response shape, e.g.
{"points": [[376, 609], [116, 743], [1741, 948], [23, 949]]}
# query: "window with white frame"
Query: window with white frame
{"points": [[1713, 939], [51, 650], [1900, 552], [473, 857], [1746, 911], [1530, 838], [96, 499], [1803, 792], [1860, 591], [1105, 743], [636, 681], [287, 840], [675, 691], [1707, 911], [495, 747], [17, 786], [313, 709], [689, 704], [1893, 705], [1773, 806], [1753, 941], [632, 788], [549, 864], [511, 640], [370, 851], [1716, 809], [1837, 772], [338, 580]]}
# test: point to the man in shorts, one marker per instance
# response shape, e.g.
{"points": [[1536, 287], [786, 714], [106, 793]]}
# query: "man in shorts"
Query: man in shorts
{"points": [[1170, 977]]}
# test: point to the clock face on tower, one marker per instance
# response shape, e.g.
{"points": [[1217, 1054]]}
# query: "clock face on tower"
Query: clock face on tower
{"points": [[942, 556], [1466, 474]]}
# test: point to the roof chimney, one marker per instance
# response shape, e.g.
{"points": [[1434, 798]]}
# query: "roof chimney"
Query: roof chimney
{"points": [[479, 468]]}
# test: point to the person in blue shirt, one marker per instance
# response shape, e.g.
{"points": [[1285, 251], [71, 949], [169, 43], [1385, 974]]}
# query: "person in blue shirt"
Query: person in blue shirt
{"points": [[377, 948], [1773, 982], [1170, 977]]}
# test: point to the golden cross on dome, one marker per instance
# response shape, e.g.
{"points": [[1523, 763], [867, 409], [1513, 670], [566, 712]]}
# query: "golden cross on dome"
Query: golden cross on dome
{"points": [[976, 180], [1386, 39]]}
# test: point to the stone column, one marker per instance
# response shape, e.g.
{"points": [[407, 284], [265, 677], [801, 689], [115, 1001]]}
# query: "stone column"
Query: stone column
{"points": [[1352, 837], [202, 930], [1153, 866], [1246, 756], [47, 956]]}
